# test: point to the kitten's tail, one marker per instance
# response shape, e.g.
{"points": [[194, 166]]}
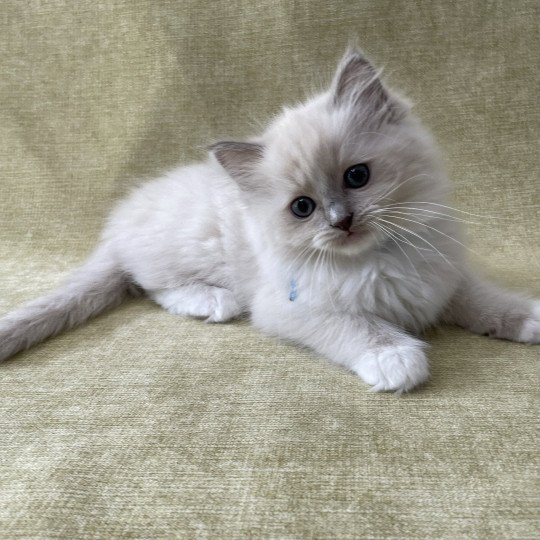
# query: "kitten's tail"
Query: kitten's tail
{"points": [[97, 286]]}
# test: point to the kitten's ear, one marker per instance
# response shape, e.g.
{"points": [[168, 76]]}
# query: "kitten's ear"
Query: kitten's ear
{"points": [[238, 159], [357, 83]]}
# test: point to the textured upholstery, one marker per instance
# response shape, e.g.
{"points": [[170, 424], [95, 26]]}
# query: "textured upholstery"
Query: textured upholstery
{"points": [[141, 424]]}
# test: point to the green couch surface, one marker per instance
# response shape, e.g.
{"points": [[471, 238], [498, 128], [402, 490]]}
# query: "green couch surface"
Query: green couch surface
{"points": [[145, 425]]}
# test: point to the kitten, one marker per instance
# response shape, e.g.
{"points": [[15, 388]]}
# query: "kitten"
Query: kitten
{"points": [[331, 229]]}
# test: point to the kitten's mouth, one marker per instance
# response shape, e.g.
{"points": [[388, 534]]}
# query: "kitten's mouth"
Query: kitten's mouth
{"points": [[351, 238], [350, 242]]}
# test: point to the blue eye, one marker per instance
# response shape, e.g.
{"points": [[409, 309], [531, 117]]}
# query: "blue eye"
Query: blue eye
{"points": [[357, 176], [303, 207]]}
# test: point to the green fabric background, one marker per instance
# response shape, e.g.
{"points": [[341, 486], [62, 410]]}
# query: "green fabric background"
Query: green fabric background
{"points": [[144, 425]]}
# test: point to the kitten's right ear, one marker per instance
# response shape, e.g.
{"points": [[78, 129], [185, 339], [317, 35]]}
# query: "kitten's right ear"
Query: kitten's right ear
{"points": [[357, 83], [355, 77], [238, 159]]}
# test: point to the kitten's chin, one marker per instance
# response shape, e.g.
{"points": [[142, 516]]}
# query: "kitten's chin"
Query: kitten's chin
{"points": [[351, 244]]}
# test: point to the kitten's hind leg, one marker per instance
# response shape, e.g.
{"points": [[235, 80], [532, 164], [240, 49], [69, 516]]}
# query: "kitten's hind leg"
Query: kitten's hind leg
{"points": [[215, 304], [485, 308]]}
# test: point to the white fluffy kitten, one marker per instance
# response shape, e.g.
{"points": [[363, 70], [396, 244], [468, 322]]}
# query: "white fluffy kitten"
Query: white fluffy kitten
{"points": [[331, 229]]}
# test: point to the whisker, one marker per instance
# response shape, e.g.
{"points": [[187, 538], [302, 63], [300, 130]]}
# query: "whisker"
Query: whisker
{"points": [[390, 209], [313, 273], [423, 240], [398, 185], [442, 215], [418, 249], [406, 240], [454, 209], [437, 231], [391, 236], [298, 256], [330, 258]]}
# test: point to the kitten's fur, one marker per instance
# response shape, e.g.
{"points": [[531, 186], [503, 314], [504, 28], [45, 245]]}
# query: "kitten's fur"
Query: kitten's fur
{"points": [[218, 240]]}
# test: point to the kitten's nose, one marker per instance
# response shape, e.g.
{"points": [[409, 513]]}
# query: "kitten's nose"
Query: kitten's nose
{"points": [[344, 224]]}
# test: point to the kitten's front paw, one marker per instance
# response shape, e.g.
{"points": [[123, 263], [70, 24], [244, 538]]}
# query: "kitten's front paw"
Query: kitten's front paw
{"points": [[397, 368], [215, 304], [224, 306], [530, 331]]}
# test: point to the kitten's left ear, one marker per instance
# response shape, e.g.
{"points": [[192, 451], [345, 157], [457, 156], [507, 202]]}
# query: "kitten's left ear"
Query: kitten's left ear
{"points": [[238, 159], [357, 83]]}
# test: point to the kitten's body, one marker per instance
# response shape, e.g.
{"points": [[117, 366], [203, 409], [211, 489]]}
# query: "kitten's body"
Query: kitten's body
{"points": [[218, 240]]}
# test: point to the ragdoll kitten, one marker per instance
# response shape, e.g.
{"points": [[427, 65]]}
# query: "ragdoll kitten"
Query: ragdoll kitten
{"points": [[331, 229]]}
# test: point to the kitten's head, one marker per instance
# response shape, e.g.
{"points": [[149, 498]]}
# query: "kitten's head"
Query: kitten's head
{"points": [[323, 172]]}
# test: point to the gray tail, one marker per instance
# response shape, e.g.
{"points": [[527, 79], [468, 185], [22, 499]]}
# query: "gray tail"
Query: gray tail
{"points": [[97, 286]]}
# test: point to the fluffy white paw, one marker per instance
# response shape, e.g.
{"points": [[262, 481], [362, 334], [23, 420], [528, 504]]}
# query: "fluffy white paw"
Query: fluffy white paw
{"points": [[224, 306], [397, 368], [214, 304], [530, 331]]}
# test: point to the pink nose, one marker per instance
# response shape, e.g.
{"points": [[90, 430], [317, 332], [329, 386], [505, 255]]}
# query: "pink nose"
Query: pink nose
{"points": [[344, 224]]}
